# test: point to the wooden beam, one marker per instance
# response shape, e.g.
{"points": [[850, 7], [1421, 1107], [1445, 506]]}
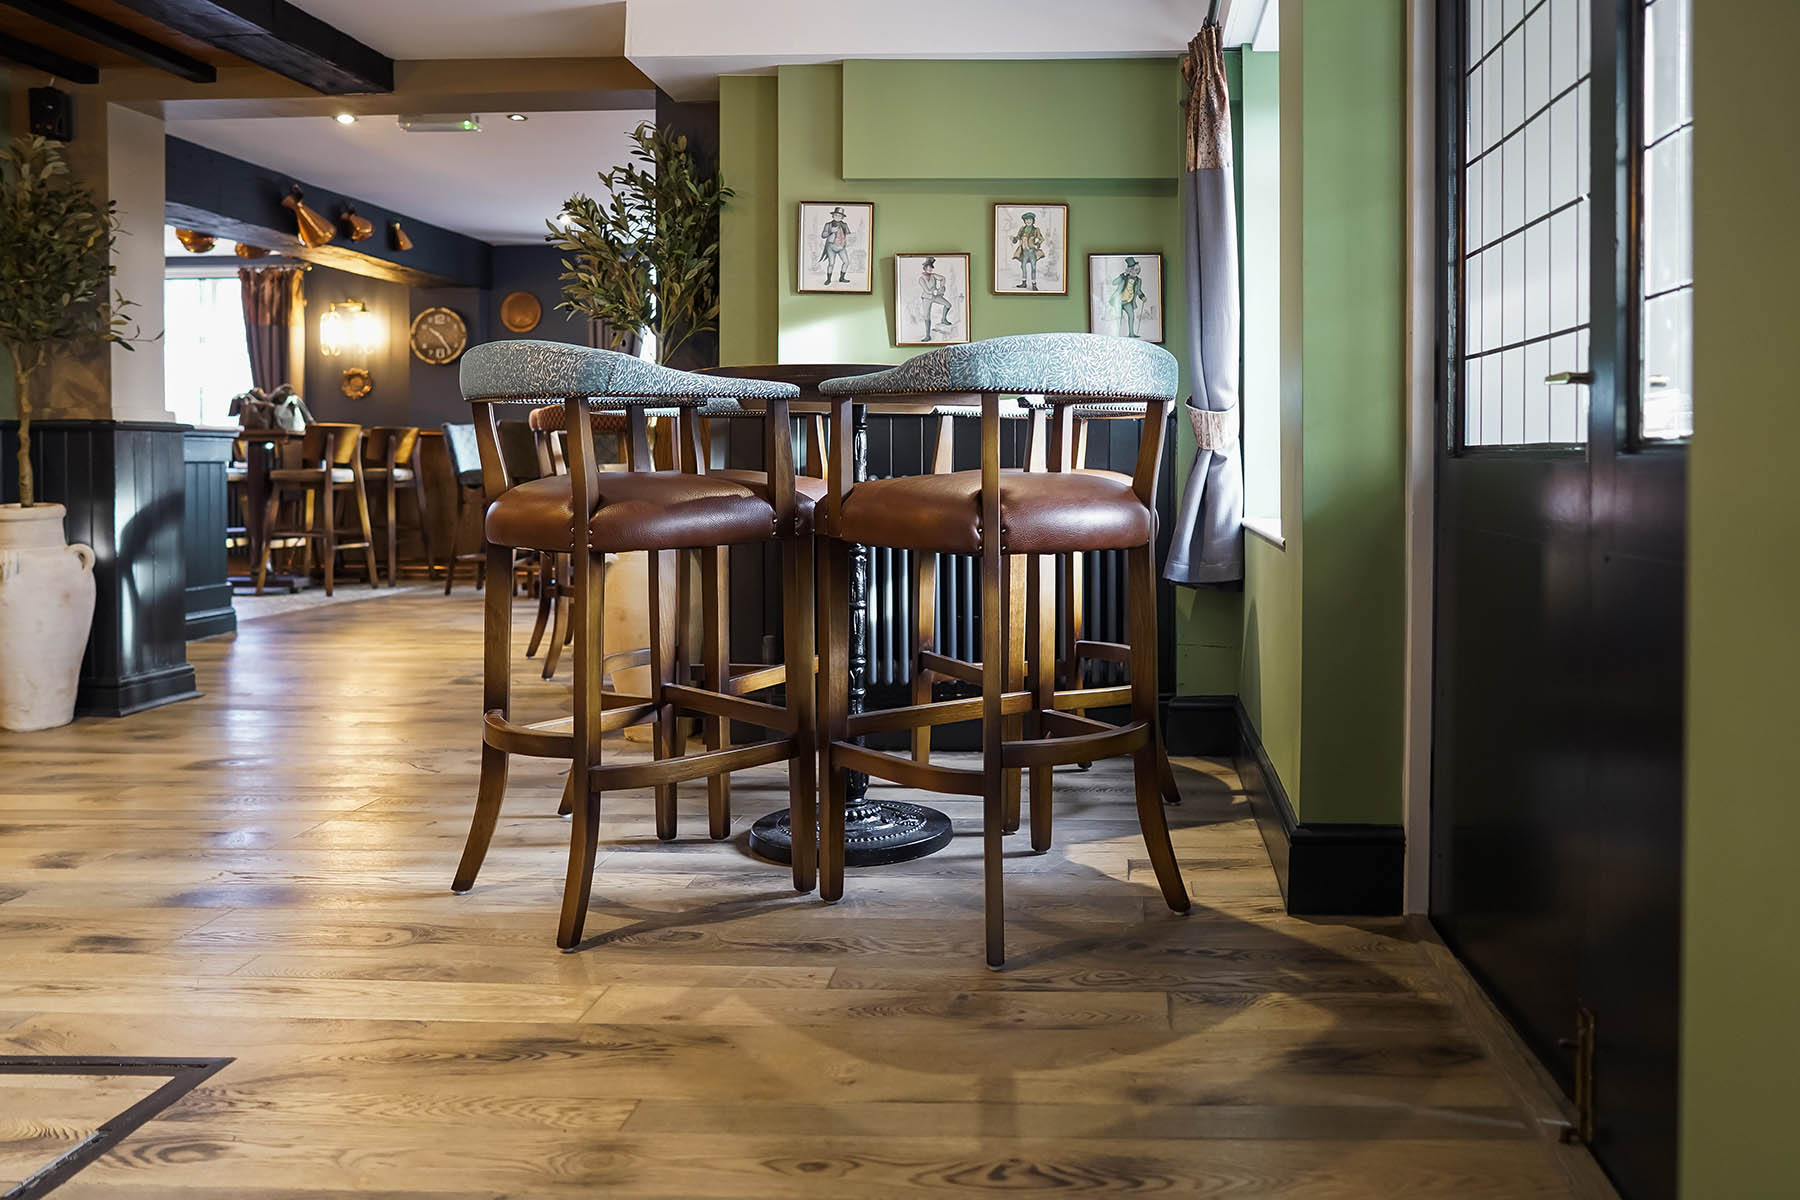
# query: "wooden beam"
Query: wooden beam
{"points": [[30, 54], [276, 35], [113, 36]]}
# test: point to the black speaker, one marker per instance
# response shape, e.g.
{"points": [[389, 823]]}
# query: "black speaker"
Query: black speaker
{"points": [[52, 114]]}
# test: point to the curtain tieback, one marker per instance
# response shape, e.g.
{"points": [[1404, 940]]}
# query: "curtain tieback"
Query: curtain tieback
{"points": [[1214, 430]]}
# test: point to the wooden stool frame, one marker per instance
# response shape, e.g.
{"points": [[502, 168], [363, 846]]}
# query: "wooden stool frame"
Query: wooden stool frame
{"points": [[598, 711], [1054, 733]]}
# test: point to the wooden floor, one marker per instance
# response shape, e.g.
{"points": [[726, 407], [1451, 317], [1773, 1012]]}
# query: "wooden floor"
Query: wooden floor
{"points": [[263, 874]]}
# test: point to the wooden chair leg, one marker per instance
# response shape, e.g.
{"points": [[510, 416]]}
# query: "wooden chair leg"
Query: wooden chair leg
{"points": [[496, 696], [271, 511], [993, 683], [799, 641], [1040, 655], [368, 535], [664, 619], [456, 524], [561, 630], [584, 830], [426, 540], [715, 666], [568, 796], [327, 507], [1140, 598], [834, 675], [1014, 727], [393, 539], [546, 600], [924, 602]]}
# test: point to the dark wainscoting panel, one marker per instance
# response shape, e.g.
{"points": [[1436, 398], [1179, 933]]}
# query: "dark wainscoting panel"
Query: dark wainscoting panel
{"points": [[205, 455], [123, 484], [1325, 869]]}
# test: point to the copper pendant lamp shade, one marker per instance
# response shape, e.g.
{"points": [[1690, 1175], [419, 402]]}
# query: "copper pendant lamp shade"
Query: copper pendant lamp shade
{"points": [[194, 242], [398, 237], [245, 250], [360, 227], [314, 230]]}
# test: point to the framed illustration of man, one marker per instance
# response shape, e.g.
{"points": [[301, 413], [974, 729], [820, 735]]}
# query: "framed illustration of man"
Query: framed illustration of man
{"points": [[836, 247], [931, 299], [1125, 295], [1031, 249]]}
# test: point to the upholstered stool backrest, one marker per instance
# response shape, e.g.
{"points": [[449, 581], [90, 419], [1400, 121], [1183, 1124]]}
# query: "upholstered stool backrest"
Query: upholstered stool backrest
{"points": [[465, 452]]}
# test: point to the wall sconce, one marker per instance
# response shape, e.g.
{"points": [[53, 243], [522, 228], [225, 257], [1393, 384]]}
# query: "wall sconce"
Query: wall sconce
{"points": [[360, 227], [195, 242], [314, 230], [397, 237], [349, 328]]}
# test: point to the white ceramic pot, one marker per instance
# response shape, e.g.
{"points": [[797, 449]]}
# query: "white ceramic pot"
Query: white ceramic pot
{"points": [[46, 607]]}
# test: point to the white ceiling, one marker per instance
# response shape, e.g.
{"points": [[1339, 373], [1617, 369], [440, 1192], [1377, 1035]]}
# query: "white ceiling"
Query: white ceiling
{"points": [[412, 29], [499, 185]]}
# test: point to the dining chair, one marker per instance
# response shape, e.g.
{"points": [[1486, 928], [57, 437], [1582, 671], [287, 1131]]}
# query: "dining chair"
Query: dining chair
{"points": [[1000, 515], [587, 514], [320, 473]]}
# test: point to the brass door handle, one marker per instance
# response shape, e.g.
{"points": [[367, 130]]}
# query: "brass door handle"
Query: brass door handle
{"points": [[1581, 377]]}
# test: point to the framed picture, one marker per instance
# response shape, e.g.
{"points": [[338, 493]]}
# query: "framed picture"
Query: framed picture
{"points": [[1125, 295], [931, 299], [836, 247], [1031, 249]]}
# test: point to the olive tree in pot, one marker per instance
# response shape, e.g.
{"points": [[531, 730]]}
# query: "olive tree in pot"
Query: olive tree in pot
{"points": [[56, 244]]}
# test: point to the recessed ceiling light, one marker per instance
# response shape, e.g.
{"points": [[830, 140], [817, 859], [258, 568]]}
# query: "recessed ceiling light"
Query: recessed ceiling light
{"points": [[517, 117], [346, 118]]}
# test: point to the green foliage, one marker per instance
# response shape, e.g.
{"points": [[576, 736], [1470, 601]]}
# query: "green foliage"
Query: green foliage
{"points": [[56, 241], [646, 256]]}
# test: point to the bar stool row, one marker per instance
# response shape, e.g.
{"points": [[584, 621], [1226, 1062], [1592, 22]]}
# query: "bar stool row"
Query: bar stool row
{"points": [[1016, 522]]}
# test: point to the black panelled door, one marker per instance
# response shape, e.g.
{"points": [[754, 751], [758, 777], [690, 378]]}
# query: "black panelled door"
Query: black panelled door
{"points": [[1561, 543]]}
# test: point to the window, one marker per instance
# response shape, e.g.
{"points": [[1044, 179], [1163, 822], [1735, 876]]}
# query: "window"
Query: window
{"points": [[1666, 278], [1260, 231], [206, 359], [1525, 222]]}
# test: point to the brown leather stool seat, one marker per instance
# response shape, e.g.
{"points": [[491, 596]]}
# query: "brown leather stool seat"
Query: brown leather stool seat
{"points": [[808, 491], [639, 510], [1040, 513], [553, 417]]}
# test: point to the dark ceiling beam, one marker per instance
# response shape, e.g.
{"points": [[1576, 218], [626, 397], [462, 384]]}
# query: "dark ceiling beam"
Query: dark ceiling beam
{"points": [[106, 33], [276, 35], [29, 54]]}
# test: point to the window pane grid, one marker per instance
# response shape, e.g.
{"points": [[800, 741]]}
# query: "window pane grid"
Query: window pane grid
{"points": [[1666, 283]]}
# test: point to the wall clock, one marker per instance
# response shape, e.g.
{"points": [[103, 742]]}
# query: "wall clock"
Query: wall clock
{"points": [[439, 336], [521, 312]]}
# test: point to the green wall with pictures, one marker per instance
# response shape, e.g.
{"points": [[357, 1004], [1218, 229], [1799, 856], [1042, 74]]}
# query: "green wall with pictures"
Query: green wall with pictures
{"points": [[786, 137]]}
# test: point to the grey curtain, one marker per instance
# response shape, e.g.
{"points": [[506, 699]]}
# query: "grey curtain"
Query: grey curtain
{"points": [[1208, 545], [271, 306]]}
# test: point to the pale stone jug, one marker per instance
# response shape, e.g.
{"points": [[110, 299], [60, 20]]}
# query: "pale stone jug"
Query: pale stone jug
{"points": [[46, 606]]}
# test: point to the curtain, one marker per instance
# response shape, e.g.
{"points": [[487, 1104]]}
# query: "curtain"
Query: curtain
{"points": [[272, 306], [1208, 544]]}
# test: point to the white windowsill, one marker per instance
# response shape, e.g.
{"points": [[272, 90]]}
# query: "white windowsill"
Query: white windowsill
{"points": [[1268, 529]]}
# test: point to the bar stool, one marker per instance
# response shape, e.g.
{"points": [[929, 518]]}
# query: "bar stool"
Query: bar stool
{"points": [[319, 470], [465, 467], [555, 589], [996, 514], [389, 462], [587, 514]]}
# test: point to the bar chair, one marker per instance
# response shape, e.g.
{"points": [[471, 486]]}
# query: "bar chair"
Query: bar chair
{"points": [[587, 514], [389, 462], [998, 514], [318, 471], [465, 466], [555, 589]]}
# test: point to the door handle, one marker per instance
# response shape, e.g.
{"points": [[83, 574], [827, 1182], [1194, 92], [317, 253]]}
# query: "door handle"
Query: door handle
{"points": [[1581, 377]]}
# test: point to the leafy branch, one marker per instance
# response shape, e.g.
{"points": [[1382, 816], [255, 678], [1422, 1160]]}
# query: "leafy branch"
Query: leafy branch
{"points": [[56, 243], [646, 255]]}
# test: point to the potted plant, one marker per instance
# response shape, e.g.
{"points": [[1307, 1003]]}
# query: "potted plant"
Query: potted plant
{"points": [[56, 243], [647, 260]]}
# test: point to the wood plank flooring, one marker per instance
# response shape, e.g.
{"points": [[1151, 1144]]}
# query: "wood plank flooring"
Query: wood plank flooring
{"points": [[263, 873]]}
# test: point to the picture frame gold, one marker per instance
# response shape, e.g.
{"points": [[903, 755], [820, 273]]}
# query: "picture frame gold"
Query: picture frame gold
{"points": [[858, 263], [1049, 274], [1147, 316], [914, 307]]}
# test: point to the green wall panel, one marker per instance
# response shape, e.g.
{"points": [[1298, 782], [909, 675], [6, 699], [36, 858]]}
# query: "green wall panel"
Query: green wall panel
{"points": [[1096, 119], [747, 229]]}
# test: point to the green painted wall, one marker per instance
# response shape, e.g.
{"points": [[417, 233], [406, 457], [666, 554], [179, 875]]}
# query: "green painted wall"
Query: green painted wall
{"points": [[1740, 1038], [785, 139], [1324, 617]]}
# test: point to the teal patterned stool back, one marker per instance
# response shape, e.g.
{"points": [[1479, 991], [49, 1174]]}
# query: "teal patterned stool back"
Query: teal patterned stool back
{"points": [[1088, 365]]}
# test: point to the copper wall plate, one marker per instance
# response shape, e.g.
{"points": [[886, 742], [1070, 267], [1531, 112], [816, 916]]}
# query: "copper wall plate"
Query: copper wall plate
{"points": [[357, 382], [521, 312]]}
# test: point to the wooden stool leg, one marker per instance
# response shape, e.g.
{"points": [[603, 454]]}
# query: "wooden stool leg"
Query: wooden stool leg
{"points": [[393, 539], [1040, 654], [496, 696], [568, 797], [266, 543], [664, 622], [715, 666], [368, 535], [1014, 727], [993, 683], [426, 540], [560, 628], [924, 602], [327, 508], [584, 830], [834, 672], [798, 639], [1140, 599], [546, 600]]}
